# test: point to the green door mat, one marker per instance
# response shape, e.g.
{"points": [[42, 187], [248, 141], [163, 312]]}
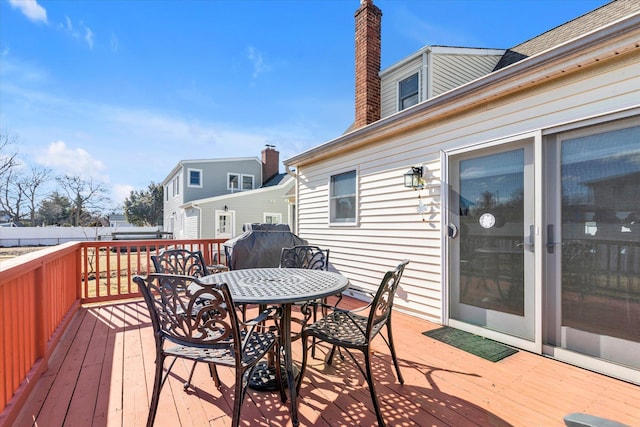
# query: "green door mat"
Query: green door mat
{"points": [[474, 344]]}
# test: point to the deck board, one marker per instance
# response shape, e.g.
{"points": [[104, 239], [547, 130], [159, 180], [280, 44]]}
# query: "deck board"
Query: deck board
{"points": [[101, 374]]}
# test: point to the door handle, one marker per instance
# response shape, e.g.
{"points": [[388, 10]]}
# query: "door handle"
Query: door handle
{"points": [[551, 246], [452, 231]]}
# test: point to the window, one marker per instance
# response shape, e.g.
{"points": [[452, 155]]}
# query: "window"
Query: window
{"points": [[242, 182], [195, 177], [176, 185], [233, 181], [247, 182], [342, 198], [166, 193], [272, 218], [408, 92]]}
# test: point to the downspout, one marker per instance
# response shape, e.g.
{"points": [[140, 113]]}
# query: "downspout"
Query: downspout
{"points": [[294, 174], [199, 220], [427, 66]]}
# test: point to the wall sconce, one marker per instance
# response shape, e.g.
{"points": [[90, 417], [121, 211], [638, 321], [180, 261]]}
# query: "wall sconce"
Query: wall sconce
{"points": [[226, 208], [413, 178]]}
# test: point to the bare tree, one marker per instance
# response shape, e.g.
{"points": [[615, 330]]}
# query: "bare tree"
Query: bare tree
{"points": [[8, 156], [31, 187], [84, 194], [11, 197]]}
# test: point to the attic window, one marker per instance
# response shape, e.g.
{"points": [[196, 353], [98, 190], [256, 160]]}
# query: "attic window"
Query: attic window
{"points": [[247, 182], [233, 181], [408, 92], [195, 177]]}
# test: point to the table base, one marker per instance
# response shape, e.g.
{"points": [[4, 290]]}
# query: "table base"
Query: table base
{"points": [[264, 377]]}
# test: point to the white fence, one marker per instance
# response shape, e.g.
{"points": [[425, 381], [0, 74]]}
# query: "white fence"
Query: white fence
{"points": [[49, 236]]}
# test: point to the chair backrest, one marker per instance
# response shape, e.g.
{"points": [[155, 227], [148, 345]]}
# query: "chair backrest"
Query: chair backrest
{"points": [[383, 301], [175, 303], [180, 261], [304, 256]]}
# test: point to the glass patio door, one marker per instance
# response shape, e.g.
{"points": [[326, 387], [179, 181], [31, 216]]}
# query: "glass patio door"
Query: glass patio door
{"points": [[594, 295], [491, 266]]}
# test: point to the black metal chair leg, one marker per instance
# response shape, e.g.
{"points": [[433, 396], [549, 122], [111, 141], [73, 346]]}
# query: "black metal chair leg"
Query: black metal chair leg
{"points": [[372, 389], [155, 394], [188, 382], [303, 367], [392, 349]]}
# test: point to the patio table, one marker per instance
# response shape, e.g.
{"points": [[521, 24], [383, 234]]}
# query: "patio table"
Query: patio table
{"points": [[281, 286]]}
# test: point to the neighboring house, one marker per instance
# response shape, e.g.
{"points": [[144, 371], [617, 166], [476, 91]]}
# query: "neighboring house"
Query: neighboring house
{"points": [[222, 217], [212, 198], [5, 217], [504, 231], [118, 221]]}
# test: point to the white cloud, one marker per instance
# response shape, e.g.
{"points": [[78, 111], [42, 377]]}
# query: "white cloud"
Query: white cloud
{"points": [[259, 66], [119, 192], [114, 43], [71, 161], [88, 36], [69, 28], [31, 9]]}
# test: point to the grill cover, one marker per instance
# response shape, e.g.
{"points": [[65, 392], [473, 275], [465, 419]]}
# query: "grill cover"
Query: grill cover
{"points": [[259, 245]]}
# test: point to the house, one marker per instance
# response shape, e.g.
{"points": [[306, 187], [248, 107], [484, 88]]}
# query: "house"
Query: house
{"points": [[213, 198], [493, 189], [118, 221]]}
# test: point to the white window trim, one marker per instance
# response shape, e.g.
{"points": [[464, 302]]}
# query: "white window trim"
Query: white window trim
{"points": [[229, 187], [175, 183], [253, 181], [278, 217], [400, 80], [357, 198], [189, 170]]}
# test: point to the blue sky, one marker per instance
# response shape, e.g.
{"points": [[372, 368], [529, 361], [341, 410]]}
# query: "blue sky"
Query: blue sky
{"points": [[121, 90]]}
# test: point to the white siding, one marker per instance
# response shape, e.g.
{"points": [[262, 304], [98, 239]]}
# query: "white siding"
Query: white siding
{"points": [[191, 223], [247, 207], [389, 227], [451, 71], [389, 85]]}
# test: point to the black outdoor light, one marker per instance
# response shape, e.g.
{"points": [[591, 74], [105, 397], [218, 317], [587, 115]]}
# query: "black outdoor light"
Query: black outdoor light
{"points": [[413, 178], [226, 208]]}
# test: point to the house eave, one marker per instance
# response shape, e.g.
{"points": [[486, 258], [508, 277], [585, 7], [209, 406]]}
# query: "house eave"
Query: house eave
{"points": [[182, 163], [617, 38], [198, 202]]}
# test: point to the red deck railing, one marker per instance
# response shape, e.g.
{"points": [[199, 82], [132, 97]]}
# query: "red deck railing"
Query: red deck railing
{"points": [[41, 291]]}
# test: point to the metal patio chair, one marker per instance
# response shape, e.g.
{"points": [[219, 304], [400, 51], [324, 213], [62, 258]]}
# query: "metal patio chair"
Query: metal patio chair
{"points": [[189, 263], [312, 258], [352, 331], [181, 261], [210, 333]]}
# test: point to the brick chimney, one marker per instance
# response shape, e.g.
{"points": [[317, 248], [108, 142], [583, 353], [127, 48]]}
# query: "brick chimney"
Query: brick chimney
{"points": [[270, 163], [368, 59]]}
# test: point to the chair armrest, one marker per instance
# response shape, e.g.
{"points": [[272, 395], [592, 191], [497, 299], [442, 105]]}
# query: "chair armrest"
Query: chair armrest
{"points": [[256, 321], [264, 315]]}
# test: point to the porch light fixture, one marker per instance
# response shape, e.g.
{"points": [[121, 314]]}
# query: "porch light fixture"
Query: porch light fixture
{"points": [[226, 208], [413, 178]]}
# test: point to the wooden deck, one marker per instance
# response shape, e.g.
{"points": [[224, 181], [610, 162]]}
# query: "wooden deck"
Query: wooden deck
{"points": [[101, 375]]}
